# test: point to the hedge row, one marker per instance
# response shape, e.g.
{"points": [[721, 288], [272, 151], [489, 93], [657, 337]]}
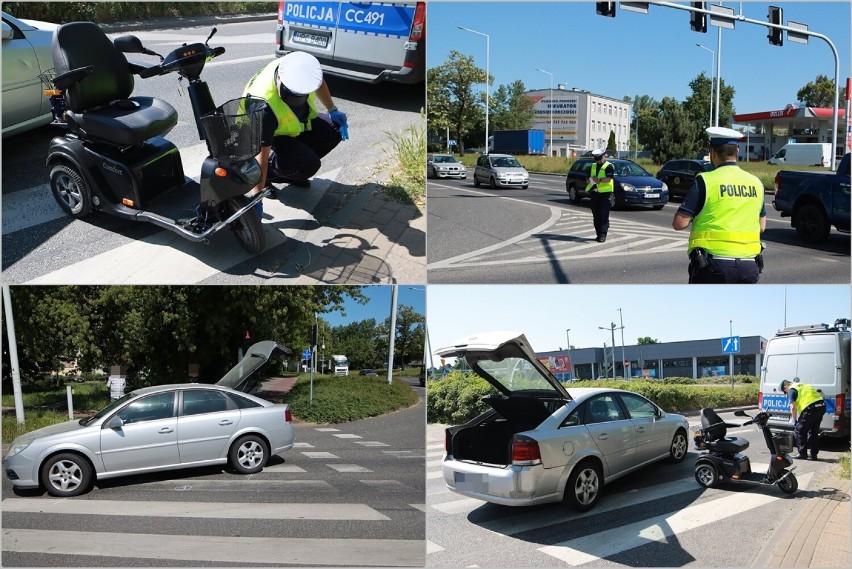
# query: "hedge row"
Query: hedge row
{"points": [[105, 12], [457, 398], [337, 399]]}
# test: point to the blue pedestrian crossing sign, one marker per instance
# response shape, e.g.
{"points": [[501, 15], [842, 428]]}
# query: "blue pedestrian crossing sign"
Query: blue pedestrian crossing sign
{"points": [[731, 345], [306, 355]]}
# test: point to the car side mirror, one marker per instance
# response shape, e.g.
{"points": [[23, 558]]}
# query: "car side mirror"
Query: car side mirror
{"points": [[740, 413], [115, 423]]}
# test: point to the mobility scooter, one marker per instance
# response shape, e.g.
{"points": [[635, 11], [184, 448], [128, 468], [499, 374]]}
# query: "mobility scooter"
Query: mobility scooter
{"points": [[723, 460], [113, 156]]}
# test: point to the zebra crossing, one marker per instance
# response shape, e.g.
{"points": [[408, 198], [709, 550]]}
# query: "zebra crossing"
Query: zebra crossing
{"points": [[569, 234], [629, 517], [317, 508]]}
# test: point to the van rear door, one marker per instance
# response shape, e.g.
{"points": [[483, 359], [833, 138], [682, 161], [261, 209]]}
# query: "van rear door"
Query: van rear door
{"points": [[360, 40]]}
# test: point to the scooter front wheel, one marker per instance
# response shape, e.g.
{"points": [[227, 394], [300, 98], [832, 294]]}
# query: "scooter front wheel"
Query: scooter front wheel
{"points": [[706, 475], [789, 484], [70, 190], [248, 228]]}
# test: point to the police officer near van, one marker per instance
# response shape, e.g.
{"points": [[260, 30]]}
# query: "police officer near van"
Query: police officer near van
{"points": [[807, 409], [295, 135], [600, 186], [727, 211]]}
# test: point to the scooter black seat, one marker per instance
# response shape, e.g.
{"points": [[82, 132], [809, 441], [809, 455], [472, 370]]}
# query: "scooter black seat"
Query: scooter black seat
{"points": [[99, 95], [731, 445], [125, 122]]}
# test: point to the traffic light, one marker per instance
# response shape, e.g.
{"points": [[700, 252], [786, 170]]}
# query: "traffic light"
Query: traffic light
{"points": [[698, 20], [605, 9], [776, 16]]}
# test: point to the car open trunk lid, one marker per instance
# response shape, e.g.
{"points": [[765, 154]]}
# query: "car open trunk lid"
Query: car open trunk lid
{"points": [[507, 361], [241, 376]]}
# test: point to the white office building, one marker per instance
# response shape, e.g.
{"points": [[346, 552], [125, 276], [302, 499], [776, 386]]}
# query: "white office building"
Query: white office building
{"points": [[581, 120]]}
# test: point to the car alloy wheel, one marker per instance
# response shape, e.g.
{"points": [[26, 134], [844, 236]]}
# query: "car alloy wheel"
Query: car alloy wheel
{"points": [[679, 447], [584, 486], [66, 475], [249, 454]]}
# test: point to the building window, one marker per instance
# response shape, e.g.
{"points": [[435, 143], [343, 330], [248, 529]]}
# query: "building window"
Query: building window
{"points": [[677, 368]]}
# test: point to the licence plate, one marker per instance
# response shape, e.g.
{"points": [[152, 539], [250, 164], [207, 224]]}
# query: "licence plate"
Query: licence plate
{"points": [[652, 196], [310, 39]]}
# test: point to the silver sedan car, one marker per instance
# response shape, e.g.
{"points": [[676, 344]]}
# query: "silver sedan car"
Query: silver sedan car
{"points": [[541, 442], [158, 428], [445, 166], [27, 53]]}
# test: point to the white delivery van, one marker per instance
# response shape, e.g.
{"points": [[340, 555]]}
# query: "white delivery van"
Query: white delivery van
{"points": [[817, 355], [364, 41], [803, 154]]}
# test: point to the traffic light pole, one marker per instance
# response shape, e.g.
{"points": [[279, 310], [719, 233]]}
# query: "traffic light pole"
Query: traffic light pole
{"points": [[796, 31]]}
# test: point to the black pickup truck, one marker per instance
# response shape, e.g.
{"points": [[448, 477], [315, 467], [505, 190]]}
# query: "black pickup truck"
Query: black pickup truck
{"points": [[814, 201]]}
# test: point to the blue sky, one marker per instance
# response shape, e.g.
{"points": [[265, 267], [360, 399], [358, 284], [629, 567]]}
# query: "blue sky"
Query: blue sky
{"points": [[378, 305], [643, 54], [668, 313]]}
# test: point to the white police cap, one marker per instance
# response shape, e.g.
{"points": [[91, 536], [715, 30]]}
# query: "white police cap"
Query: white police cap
{"points": [[720, 135], [597, 153], [300, 72]]}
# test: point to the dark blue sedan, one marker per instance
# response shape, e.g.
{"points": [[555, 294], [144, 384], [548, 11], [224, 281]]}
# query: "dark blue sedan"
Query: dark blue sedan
{"points": [[633, 184]]}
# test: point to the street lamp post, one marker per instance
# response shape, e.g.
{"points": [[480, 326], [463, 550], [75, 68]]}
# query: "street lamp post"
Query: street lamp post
{"points": [[568, 339], [612, 330], [487, 76], [712, 78], [623, 361], [550, 106]]}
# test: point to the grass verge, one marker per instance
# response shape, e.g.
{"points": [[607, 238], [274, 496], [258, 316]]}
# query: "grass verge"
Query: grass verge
{"points": [[407, 152]]}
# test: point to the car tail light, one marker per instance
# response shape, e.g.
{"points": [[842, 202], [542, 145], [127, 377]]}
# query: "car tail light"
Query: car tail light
{"points": [[418, 26], [447, 442], [776, 185], [525, 451], [288, 416]]}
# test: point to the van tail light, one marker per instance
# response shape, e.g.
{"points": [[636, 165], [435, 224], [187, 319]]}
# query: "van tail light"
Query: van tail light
{"points": [[839, 405], [418, 25], [288, 416], [760, 400], [281, 6], [525, 451]]}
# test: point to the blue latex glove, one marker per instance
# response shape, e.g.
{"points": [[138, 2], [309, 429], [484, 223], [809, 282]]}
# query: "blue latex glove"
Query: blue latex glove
{"points": [[338, 119]]}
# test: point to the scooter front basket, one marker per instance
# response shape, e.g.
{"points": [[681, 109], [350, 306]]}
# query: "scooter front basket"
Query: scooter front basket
{"points": [[233, 130]]}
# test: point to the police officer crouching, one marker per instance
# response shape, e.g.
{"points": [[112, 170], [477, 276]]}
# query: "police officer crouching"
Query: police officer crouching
{"points": [[728, 214], [807, 408]]}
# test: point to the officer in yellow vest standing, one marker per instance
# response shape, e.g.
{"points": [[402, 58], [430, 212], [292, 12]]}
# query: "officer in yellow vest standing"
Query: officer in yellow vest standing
{"points": [[807, 409], [295, 135], [728, 215], [600, 187]]}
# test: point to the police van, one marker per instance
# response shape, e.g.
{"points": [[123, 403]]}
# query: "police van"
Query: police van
{"points": [[364, 41], [817, 355]]}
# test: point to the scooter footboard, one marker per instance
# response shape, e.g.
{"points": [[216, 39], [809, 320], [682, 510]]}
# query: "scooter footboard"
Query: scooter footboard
{"points": [[221, 181]]}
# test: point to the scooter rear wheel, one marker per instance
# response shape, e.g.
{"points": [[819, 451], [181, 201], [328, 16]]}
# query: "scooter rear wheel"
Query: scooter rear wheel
{"points": [[789, 484], [248, 228], [70, 190], [706, 475]]}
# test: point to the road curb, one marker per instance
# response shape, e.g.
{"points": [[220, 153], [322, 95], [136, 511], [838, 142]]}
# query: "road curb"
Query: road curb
{"points": [[184, 22]]}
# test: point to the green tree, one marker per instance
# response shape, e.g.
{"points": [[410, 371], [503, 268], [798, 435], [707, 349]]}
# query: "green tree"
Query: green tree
{"points": [[819, 93], [410, 335], [360, 342], [610, 144], [450, 99], [676, 134], [647, 340], [511, 108], [645, 109], [697, 106]]}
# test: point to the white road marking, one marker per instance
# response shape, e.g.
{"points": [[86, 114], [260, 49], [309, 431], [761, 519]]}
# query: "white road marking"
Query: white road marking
{"points": [[237, 550], [348, 468], [319, 454]]}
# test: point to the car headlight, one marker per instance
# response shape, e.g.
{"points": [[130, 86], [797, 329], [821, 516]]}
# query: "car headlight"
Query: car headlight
{"points": [[17, 447], [665, 187], [628, 187]]}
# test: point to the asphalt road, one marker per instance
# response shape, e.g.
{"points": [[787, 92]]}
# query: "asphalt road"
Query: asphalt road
{"points": [[537, 236], [43, 245], [656, 517], [347, 495]]}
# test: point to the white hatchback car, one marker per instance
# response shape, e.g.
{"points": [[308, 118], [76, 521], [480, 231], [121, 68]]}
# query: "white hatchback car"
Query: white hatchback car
{"points": [[541, 442]]}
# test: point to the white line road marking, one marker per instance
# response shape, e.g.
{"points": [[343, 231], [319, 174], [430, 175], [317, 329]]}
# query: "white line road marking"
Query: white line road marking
{"points": [[319, 454], [348, 468], [371, 444], [347, 436], [263, 511], [236, 550]]}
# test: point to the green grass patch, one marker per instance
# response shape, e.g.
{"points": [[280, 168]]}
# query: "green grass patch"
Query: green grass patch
{"points": [[457, 398], [843, 466], [33, 419], [89, 396], [342, 399], [407, 180]]}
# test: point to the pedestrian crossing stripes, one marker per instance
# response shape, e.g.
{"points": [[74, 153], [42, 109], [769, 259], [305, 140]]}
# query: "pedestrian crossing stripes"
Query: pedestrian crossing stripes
{"points": [[199, 549], [569, 234]]}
